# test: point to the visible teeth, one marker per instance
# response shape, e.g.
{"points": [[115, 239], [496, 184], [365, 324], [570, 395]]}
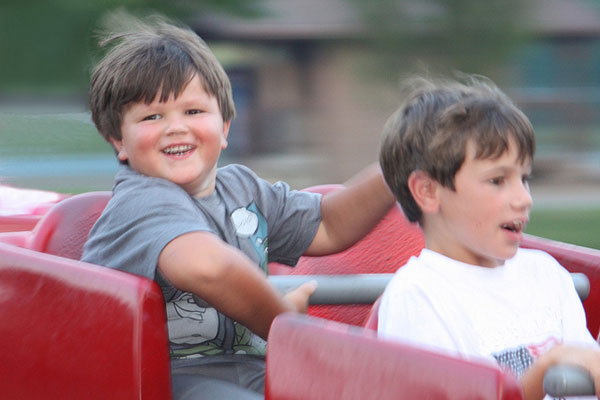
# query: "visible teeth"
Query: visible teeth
{"points": [[514, 226], [518, 225], [178, 149]]}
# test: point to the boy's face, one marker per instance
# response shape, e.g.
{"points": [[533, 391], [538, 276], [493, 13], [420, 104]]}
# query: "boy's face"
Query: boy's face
{"points": [[179, 140], [481, 223]]}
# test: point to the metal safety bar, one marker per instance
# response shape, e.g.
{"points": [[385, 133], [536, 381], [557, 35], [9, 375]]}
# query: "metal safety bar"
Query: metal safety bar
{"points": [[366, 288]]}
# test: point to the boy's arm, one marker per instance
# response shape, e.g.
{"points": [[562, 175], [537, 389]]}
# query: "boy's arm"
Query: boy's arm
{"points": [[350, 213], [201, 263], [586, 357]]}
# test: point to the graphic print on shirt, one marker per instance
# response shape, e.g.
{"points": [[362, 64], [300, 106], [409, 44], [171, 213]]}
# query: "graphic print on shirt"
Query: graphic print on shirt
{"points": [[520, 359], [250, 224], [196, 329]]}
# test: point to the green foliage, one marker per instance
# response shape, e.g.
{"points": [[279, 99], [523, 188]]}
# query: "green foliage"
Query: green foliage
{"points": [[47, 44], [575, 226], [26, 135], [470, 36]]}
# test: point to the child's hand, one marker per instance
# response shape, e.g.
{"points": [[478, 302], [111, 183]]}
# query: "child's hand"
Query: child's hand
{"points": [[586, 357], [298, 298]]}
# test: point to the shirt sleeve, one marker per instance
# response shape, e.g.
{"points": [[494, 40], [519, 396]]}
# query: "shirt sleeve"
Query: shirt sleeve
{"points": [[293, 216], [138, 222], [294, 225]]}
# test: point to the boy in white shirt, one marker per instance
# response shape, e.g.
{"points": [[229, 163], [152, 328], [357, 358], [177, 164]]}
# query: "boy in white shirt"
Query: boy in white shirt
{"points": [[458, 157]]}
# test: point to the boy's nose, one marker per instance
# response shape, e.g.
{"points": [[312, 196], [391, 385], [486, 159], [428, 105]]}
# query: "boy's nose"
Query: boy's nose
{"points": [[522, 197], [176, 125]]}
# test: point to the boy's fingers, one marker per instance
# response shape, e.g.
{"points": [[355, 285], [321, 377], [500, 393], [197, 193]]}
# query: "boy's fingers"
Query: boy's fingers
{"points": [[309, 287]]}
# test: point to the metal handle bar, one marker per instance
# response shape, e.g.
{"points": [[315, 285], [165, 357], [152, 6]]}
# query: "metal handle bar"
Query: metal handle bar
{"points": [[568, 380], [337, 289], [366, 288]]}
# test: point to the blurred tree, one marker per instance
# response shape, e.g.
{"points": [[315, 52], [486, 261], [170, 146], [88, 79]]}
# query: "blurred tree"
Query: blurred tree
{"points": [[47, 44], [471, 36]]}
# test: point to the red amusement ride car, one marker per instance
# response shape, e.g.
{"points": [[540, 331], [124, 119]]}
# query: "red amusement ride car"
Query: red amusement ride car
{"points": [[74, 330]]}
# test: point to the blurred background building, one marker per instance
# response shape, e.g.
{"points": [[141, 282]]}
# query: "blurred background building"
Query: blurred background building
{"points": [[314, 80], [308, 87]]}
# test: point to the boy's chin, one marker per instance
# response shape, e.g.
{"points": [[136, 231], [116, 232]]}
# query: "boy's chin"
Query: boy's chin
{"points": [[508, 255]]}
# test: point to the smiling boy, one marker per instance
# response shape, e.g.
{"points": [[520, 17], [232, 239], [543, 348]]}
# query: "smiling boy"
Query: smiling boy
{"points": [[179, 140], [458, 158], [205, 234]]}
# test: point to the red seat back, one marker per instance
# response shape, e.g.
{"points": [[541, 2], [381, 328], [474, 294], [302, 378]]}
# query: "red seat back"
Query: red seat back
{"points": [[385, 249], [576, 259], [64, 229], [18, 223], [72, 330], [310, 358]]}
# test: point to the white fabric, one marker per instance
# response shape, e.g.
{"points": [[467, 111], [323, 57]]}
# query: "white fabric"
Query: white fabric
{"points": [[528, 303]]}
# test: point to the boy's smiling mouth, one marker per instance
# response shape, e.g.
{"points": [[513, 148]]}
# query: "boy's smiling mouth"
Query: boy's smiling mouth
{"points": [[178, 150]]}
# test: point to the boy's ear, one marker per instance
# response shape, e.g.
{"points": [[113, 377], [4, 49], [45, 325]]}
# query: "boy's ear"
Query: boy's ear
{"points": [[424, 190], [226, 126], [119, 149]]}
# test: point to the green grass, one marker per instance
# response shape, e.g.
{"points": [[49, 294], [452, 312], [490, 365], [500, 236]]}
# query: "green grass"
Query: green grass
{"points": [[27, 135], [581, 227]]}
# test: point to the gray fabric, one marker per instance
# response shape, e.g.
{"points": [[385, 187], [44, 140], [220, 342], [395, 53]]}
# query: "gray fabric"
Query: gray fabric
{"points": [[222, 377], [199, 387], [268, 222]]}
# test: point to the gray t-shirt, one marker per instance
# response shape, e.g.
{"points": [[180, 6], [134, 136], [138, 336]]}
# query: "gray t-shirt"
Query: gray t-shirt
{"points": [[268, 222]]}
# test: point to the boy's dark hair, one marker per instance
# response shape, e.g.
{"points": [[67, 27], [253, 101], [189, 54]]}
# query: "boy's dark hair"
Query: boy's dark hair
{"points": [[147, 58], [430, 131]]}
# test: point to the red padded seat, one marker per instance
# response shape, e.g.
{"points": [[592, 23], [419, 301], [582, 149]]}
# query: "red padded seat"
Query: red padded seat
{"points": [[72, 330], [310, 358], [385, 249], [64, 229]]}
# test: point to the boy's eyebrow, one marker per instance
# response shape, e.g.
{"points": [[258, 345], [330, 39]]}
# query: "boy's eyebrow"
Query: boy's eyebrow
{"points": [[503, 169]]}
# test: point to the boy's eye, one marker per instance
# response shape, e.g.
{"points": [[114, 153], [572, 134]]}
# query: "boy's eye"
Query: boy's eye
{"points": [[151, 117], [497, 180], [193, 112]]}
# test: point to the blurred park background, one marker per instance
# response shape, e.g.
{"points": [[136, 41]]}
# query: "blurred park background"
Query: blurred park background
{"points": [[314, 82]]}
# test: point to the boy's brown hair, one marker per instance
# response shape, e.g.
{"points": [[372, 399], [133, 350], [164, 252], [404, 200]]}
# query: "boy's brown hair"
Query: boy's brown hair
{"points": [[431, 129], [150, 58]]}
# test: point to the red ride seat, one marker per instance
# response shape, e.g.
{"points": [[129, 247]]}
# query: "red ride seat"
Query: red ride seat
{"points": [[385, 249], [72, 330], [310, 358], [64, 229]]}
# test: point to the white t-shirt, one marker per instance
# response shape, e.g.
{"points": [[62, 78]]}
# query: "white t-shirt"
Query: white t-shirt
{"points": [[509, 314]]}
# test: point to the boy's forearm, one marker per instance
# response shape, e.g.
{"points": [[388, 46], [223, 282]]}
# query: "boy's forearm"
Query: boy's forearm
{"points": [[351, 212], [245, 295], [223, 277]]}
